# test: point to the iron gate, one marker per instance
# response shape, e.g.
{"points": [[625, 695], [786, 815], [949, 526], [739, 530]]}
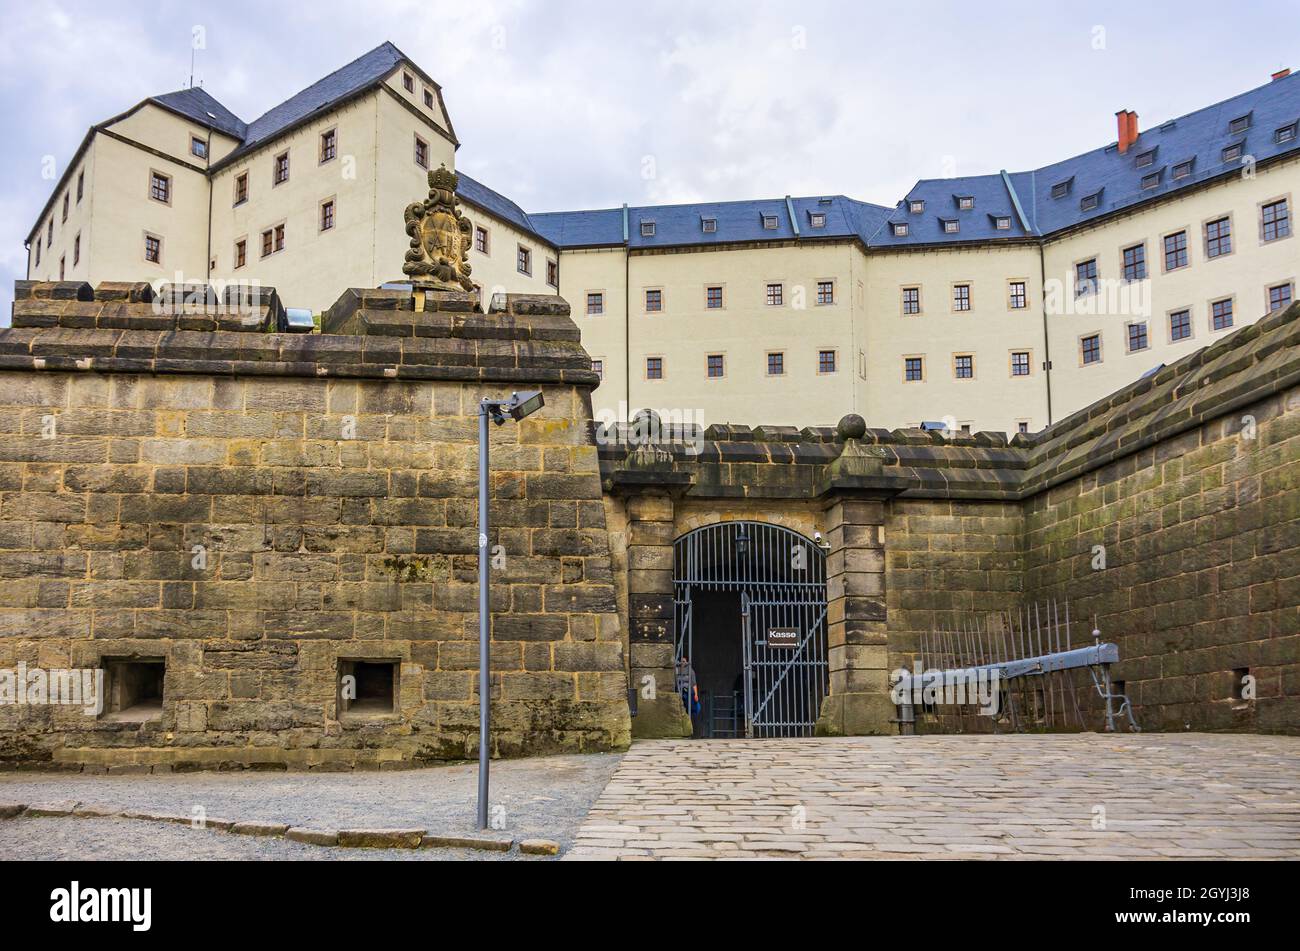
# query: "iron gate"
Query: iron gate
{"points": [[781, 578]]}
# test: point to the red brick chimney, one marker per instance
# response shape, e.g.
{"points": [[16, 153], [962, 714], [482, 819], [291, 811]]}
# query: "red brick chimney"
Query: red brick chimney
{"points": [[1281, 74], [1127, 121]]}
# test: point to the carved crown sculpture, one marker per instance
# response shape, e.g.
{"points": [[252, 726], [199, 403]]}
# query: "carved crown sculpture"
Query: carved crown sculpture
{"points": [[440, 236]]}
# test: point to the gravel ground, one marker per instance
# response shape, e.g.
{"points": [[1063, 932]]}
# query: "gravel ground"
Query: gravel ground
{"points": [[536, 798]]}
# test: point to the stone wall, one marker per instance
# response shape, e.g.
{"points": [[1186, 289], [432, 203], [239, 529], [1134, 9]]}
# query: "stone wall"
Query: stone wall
{"points": [[258, 510]]}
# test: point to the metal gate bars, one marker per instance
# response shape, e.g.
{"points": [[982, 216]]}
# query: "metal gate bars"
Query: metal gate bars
{"points": [[781, 579]]}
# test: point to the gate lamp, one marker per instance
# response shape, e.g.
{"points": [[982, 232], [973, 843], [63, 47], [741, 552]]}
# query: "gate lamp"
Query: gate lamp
{"points": [[742, 543], [518, 407]]}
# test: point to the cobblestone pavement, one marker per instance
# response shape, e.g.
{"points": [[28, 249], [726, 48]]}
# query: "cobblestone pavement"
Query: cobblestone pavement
{"points": [[537, 798], [1004, 797]]}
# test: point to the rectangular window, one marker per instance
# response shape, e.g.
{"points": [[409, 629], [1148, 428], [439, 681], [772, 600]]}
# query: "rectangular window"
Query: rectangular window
{"points": [[776, 364], [916, 206], [1135, 263], [241, 188], [963, 366], [1090, 348], [160, 187], [1218, 237], [654, 368], [713, 298], [913, 369], [81, 185], [825, 292], [1180, 325], [647, 229], [524, 261], [1020, 363], [716, 366], [279, 237], [280, 173], [1090, 202], [76, 250], [1002, 223], [817, 220], [1085, 277], [1279, 297], [961, 297], [1145, 159], [553, 273], [951, 226], [770, 222], [63, 259], [900, 229], [1182, 170], [241, 254], [49, 235], [428, 98], [911, 301], [408, 82], [268, 238], [965, 203], [480, 239], [198, 147], [1221, 314], [326, 215], [709, 225], [775, 295], [152, 249], [826, 360], [329, 145], [1285, 134], [1175, 251], [595, 304], [1276, 220], [1239, 125], [1232, 153], [38, 252], [654, 301], [1017, 295], [598, 367], [421, 152], [1137, 336], [1022, 427], [1061, 189]]}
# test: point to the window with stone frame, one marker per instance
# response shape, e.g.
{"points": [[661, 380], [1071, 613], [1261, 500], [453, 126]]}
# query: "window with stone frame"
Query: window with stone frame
{"points": [[1280, 296], [654, 300], [1016, 295], [160, 187], [1275, 220], [1137, 336], [825, 292], [716, 364], [241, 253], [776, 364], [775, 295], [329, 145], [1180, 325], [152, 249], [481, 243], [964, 366], [1135, 263], [911, 301], [1090, 349], [961, 297], [713, 297], [1175, 250], [1020, 363], [913, 369], [827, 361], [654, 368], [421, 152], [1085, 277], [1218, 237], [241, 188], [280, 171], [1221, 314]]}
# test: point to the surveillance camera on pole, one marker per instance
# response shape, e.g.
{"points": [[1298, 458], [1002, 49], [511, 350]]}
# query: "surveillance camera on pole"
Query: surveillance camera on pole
{"points": [[520, 406]]}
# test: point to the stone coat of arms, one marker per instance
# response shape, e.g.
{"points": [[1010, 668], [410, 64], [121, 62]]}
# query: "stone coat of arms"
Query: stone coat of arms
{"points": [[440, 237]]}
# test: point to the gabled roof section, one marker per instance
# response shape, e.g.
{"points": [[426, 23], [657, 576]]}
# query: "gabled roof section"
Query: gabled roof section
{"points": [[195, 103], [992, 200], [474, 192]]}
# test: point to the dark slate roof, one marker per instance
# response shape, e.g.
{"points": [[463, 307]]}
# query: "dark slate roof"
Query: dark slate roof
{"points": [[476, 193], [1116, 179], [676, 225], [196, 104], [365, 71]]}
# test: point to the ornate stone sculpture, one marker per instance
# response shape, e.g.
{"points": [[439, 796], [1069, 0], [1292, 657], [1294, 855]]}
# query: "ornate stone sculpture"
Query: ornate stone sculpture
{"points": [[440, 236]]}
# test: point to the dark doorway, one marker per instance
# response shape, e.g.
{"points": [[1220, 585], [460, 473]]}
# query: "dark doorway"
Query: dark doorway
{"points": [[719, 664]]}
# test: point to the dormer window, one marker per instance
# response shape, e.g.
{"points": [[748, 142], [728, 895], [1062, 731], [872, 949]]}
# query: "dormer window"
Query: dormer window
{"points": [[916, 206], [1285, 134], [709, 225], [1183, 169], [770, 222], [1145, 159], [817, 220], [1002, 223], [965, 202], [950, 225], [1151, 181], [1062, 189], [1233, 152], [900, 229], [1090, 202], [647, 229], [1239, 125]]}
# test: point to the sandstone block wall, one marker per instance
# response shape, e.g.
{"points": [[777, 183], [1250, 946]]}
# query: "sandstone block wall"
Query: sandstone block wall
{"points": [[258, 524]]}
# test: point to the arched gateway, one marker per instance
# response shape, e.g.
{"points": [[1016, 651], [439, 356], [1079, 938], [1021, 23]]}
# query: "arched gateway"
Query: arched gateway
{"points": [[750, 624]]}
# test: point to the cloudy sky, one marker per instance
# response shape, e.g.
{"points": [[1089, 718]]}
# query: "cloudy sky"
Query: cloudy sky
{"points": [[592, 103]]}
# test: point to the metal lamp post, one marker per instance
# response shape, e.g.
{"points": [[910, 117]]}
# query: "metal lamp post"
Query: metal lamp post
{"points": [[519, 406]]}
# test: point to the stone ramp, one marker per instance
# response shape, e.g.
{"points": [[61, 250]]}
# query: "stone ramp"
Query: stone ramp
{"points": [[1084, 796]]}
